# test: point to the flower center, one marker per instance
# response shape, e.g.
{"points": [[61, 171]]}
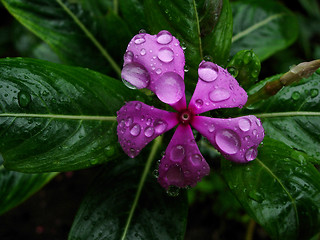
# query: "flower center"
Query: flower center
{"points": [[185, 117]]}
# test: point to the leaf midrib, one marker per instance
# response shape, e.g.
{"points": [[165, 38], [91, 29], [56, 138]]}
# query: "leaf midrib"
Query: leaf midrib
{"points": [[283, 187], [60, 116]]}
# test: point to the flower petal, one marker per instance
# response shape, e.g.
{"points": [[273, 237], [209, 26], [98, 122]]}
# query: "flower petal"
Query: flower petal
{"points": [[216, 88], [138, 124], [156, 62], [182, 165], [237, 139]]}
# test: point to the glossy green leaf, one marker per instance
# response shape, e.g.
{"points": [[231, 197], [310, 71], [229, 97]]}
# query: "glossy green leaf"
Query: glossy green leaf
{"points": [[16, 187], [54, 25], [265, 26], [293, 115], [106, 208], [57, 118], [280, 189], [182, 19]]}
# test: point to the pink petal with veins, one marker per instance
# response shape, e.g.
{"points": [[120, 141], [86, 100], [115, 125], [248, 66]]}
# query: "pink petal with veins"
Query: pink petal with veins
{"points": [[182, 165], [237, 139], [156, 62], [216, 88], [138, 124]]}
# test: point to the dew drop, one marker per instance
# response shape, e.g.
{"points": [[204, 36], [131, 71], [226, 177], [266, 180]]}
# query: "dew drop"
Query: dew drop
{"points": [[258, 122], [156, 173], [143, 52], [149, 121], [219, 95], [109, 151], [136, 75], [129, 121], [160, 126], [139, 39], [251, 154], [196, 159], [175, 175], [211, 128], [186, 68], [177, 153], [165, 55], [244, 124], [233, 71], [228, 141], [135, 130], [149, 131], [208, 71], [314, 92], [128, 57], [164, 37], [295, 95], [138, 106], [170, 87], [173, 191], [24, 99], [158, 71], [199, 103]]}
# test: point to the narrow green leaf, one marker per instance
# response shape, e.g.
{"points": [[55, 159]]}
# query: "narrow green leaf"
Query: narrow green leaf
{"points": [[17, 187], [57, 118], [280, 190], [293, 115], [105, 210], [54, 25], [265, 26]]}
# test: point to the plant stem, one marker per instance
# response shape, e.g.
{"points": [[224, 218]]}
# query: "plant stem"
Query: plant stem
{"points": [[250, 230], [143, 178], [103, 51], [295, 74]]}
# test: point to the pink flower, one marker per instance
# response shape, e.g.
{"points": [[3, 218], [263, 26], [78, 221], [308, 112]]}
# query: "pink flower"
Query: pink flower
{"points": [[156, 62]]}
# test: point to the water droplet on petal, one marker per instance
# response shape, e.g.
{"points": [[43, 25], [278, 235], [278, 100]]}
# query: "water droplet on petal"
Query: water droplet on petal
{"points": [[177, 153], [149, 121], [251, 154], [170, 87], [149, 131], [139, 39], [165, 55], [128, 57], [143, 52], [135, 130], [211, 128], [208, 71], [24, 99], [136, 75], [158, 71], [129, 121], [228, 141], [219, 95], [175, 175], [138, 106], [258, 122], [196, 159], [254, 132], [199, 103], [160, 126], [244, 124], [164, 37]]}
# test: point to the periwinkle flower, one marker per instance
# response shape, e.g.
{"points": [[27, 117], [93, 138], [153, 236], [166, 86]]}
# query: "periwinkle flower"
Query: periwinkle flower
{"points": [[156, 62]]}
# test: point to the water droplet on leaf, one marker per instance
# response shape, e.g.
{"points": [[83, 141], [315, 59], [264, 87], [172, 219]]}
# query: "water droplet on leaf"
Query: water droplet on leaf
{"points": [[24, 99]]}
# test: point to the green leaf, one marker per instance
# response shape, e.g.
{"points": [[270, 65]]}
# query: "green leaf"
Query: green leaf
{"points": [[17, 187], [293, 115], [54, 25], [57, 118], [265, 26], [182, 19], [280, 189], [105, 210]]}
